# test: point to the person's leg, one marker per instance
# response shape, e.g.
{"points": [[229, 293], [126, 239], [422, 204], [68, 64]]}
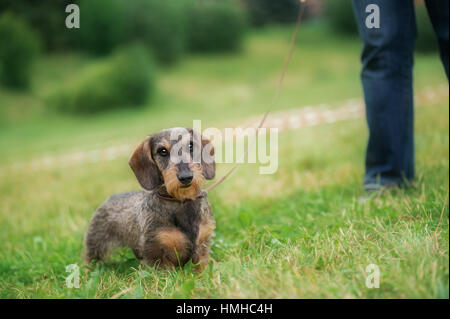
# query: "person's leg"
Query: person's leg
{"points": [[439, 16], [387, 61]]}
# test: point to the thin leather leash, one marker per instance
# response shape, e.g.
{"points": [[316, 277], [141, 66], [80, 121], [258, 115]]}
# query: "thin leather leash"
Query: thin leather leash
{"points": [[277, 92], [204, 192]]}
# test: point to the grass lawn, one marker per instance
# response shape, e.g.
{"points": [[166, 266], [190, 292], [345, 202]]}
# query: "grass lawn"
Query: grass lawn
{"points": [[300, 233]]}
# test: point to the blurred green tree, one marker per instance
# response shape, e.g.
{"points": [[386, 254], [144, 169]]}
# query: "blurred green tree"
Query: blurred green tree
{"points": [[160, 25], [340, 16], [125, 79], [426, 39], [18, 51], [262, 12], [46, 17], [215, 26], [102, 25]]}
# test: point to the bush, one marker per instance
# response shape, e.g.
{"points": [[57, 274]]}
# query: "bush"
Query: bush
{"points": [[426, 40], [340, 16], [160, 25], [262, 12], [215, 26], [126, 79], [102, 25], [47, 18], [18, 51]]}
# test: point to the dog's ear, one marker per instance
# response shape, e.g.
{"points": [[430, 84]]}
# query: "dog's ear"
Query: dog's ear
{"points": [[143, 166], [208, 161]]}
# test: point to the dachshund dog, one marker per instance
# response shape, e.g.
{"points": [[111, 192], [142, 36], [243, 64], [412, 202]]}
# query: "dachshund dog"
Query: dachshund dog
{"points": [[169, 222]]}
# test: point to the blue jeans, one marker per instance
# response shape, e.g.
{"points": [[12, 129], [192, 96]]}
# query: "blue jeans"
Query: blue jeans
{"points": [[387, 61]]}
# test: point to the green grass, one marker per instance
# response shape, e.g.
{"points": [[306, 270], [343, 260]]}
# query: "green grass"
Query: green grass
{"points": [[300, 233]]}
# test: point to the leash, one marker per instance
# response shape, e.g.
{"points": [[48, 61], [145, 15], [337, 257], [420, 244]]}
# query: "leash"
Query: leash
{"points": [[277, 92], [204, 193]]}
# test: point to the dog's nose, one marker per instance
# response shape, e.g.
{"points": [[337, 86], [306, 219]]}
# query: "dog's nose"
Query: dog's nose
{"points": [[185, 177]]}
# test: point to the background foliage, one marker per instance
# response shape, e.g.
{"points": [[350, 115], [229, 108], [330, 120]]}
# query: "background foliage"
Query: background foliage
{"points": [[263, 12], [216, 26], [126, 79], [46, 17], [18, 51]]}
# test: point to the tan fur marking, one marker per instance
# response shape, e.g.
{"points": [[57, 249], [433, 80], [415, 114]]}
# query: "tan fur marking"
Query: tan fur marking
{"points": [[205, 231], [165, 143], [172, 239], [174, 188]]}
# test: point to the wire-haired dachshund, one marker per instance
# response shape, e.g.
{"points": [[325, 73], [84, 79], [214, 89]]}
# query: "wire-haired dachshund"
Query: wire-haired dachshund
{"points": [[169, 222]]}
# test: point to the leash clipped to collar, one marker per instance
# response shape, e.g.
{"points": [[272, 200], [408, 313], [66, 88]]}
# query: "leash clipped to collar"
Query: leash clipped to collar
{"points": [[277, 92]]}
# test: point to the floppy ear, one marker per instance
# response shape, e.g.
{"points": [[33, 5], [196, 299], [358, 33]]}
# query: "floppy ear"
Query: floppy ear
{"points": [[144, 167], [208, 161]]}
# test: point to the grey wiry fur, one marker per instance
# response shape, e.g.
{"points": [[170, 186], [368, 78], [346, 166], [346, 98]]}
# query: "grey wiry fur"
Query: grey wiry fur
{"points": [[159, 231]]}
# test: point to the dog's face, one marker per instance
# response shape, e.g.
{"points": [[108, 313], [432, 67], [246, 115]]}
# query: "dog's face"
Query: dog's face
{"points": [[179, 158]]}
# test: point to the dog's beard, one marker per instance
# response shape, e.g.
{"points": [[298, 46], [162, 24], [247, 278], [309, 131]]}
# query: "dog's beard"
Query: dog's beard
{"points": [[180, 191]]}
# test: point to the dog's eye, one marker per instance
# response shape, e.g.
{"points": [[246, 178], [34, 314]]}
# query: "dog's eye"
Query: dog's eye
{"points": [[191, 146], [163, 151]]}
